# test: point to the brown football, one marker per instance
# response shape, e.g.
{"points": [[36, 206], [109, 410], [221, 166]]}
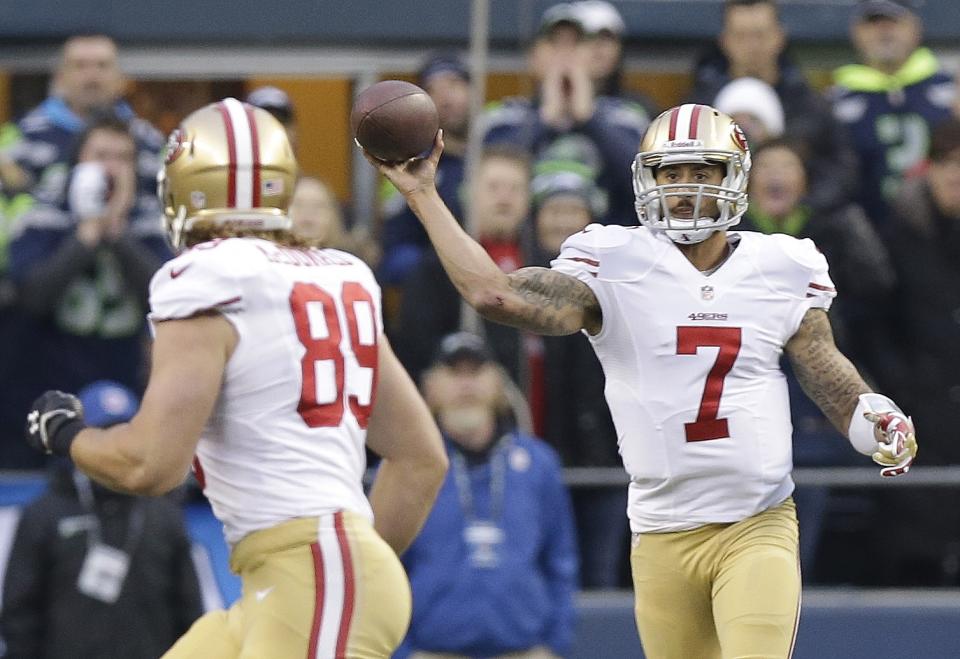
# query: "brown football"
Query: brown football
{"points": [[394, 120]]}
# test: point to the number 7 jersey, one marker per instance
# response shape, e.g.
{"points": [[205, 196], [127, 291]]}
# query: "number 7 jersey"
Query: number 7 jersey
{"points": [[692, 365], [287, 435]]}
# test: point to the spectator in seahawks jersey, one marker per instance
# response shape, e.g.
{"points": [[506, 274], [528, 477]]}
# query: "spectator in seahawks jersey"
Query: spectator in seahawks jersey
{"points": [[83, 267], [891, 100]]}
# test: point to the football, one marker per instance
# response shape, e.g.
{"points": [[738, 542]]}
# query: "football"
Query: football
{"points": [[394, 120]]}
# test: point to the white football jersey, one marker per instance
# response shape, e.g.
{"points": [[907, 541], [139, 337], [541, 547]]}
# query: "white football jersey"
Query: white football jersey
{"points": [[286, 438], [692, 365]]}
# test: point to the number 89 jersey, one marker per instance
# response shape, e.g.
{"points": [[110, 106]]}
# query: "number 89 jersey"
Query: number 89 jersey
{"points": [[286, 437], [692, 365]]}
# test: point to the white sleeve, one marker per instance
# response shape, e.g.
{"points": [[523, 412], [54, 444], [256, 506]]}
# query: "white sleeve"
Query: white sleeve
{"points": [[579, 257], [192, 283], [820, 289]]}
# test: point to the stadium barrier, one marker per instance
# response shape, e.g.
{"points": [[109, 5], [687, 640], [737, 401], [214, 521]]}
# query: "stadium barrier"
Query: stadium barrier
{"points": [[847, 623]]}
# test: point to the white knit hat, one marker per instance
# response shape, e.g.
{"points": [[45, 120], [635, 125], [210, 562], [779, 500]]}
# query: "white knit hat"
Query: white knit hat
{"points": [[754, 97]]}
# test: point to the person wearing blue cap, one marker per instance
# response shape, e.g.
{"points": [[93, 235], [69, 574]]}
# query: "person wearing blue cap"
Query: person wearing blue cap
{"points": [[277, 102], [95, 573], [494, 570], [445, 77]]}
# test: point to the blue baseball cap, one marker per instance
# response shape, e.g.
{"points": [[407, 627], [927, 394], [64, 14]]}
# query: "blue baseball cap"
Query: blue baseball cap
{"points": [[442, 62], [462, 346], [106, 403]]}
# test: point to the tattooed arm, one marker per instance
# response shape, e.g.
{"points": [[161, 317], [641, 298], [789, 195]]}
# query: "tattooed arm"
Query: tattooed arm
{"points": [[535, 299], [825, 374]]}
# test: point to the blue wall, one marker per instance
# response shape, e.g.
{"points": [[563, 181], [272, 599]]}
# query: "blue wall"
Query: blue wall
{"points": [[414, 22]]}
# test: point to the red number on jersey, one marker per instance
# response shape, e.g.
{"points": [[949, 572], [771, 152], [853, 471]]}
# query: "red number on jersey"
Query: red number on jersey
{"points": [[305, 297], [727, 339]]}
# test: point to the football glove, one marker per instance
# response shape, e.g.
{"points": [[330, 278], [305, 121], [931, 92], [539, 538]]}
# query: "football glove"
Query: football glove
{"points": [[54, 421], [896, 442], [880, 429]]}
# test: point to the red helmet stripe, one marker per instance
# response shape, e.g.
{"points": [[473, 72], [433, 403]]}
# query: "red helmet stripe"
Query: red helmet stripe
{"points": [[232, 154], [674, 115], [255, 147], [694, 122]]}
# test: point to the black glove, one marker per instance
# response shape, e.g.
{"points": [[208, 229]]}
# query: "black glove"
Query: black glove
{"points": [[54, 421]]}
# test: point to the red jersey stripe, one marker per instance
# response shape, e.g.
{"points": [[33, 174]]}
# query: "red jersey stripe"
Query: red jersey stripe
{"points": [[581, 259], [198, 472]]}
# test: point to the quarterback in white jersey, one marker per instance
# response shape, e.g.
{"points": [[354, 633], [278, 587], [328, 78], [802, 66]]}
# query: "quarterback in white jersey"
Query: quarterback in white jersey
{"points": [[689, 322], [696, 358], [270, 375]]}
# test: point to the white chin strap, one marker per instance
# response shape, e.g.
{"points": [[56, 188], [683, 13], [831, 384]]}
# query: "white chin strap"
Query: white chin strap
{"points": [[177, 227], [692, 236]]}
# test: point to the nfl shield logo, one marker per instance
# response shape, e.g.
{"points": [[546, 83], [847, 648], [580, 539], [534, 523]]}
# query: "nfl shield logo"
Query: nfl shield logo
{"points": [[271, 186], [706, 292]]}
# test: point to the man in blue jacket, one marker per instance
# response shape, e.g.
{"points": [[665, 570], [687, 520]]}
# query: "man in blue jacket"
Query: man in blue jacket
{"points": [[494, 569], [87, 83]]}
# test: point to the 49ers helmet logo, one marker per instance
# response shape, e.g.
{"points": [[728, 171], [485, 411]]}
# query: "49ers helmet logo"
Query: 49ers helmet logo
{"points": [[174, 147], [739, 138]]}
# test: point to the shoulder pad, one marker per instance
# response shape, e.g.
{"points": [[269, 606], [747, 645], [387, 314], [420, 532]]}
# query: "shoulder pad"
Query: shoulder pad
{"points": [[208, 276], [598, 237]]}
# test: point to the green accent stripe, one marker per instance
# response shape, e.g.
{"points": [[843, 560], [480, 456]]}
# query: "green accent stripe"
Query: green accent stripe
{"points": [[921, 64]]}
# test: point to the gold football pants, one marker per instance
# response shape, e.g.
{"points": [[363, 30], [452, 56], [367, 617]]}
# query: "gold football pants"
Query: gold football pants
{"points": [[321, 588], [720, 590]]}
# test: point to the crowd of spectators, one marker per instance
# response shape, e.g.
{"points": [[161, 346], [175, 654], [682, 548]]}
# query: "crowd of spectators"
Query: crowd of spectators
{"points": [[869, 169]]}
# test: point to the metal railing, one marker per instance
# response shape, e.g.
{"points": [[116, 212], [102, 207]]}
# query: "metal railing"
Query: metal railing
{"points": [[802, 476]]}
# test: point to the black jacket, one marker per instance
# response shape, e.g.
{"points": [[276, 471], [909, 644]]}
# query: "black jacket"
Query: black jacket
{"points": [[45, 615], [862, 270], [926, 252], [430, 309]]}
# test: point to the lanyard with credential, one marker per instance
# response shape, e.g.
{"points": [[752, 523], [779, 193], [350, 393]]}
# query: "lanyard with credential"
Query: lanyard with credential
{"points": [[135, 522], [498, 476]]}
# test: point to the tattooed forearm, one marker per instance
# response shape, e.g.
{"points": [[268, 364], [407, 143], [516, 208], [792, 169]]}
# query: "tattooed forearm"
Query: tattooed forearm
{"points": [[548, 302], [825, 374]]}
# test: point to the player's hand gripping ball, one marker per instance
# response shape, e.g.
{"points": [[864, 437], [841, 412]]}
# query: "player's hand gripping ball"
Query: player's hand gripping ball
{"points": [[394, 120]]}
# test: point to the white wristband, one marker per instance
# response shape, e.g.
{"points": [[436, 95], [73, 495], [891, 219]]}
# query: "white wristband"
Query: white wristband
{"points": [[861, 431]]}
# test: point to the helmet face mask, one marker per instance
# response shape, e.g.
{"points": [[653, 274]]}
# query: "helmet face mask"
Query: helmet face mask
{"points": [[692, 134], [228, 165]]}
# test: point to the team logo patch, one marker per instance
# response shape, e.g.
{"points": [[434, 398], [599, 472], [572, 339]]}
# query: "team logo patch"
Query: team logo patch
{"points": [[174, 147], [706, 292]]}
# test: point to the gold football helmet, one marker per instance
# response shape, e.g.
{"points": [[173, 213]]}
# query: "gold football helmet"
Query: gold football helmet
{"points": [[227, 164], [691, 134]]}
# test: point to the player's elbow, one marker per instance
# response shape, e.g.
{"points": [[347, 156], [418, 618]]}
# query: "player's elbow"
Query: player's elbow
{"points": [[489, 301], [432, 463], [146, 480]]}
